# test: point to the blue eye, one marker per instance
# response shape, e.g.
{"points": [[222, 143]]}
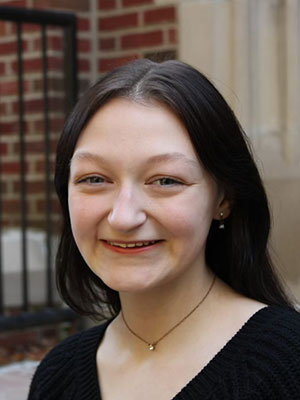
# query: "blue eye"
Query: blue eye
{"points": [[165, 181]]}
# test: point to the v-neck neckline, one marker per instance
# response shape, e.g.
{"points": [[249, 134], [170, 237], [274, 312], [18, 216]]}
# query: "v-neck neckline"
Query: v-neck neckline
{"points": [[209, 374]]}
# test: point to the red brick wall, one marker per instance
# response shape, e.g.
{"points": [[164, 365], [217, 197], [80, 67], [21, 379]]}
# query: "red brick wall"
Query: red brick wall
{"points": [[33, 123], [130, 29], [110, 34]]}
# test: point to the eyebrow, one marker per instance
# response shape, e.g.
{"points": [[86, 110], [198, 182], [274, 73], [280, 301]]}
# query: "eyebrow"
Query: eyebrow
{"points": [[156, 159], [86, 155], [171, 157]]}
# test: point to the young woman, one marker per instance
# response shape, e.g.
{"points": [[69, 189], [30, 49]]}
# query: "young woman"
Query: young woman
{"points": [[166, 225]]}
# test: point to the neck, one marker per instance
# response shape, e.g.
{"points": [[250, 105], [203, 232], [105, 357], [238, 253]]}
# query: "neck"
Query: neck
{"points": [[153, 313]]}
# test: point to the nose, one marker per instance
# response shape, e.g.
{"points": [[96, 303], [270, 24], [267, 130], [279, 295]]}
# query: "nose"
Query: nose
{"points": [[128, 211]]}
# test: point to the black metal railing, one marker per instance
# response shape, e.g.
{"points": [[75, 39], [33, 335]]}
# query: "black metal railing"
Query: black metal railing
{"points": [[67, 22]]}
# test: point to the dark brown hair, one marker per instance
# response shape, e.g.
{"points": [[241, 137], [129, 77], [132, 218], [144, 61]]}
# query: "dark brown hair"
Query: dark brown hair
{"points": [[239, 254]]}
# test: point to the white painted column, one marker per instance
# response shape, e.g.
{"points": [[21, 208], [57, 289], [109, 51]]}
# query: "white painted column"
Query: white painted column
{"points": [[268, 75], [223, 48], [291, 139], [195, 34], [250, 48], [242, 71]]}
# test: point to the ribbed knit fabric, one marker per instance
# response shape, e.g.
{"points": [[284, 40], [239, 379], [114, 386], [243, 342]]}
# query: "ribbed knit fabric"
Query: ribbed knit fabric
{"points": [[261, 362]]}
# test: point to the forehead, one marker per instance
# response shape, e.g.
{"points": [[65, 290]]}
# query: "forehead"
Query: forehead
{"points": [[137, 129]]}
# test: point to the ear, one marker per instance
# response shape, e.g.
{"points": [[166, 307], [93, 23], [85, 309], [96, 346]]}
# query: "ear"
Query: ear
{"points": [[224, 206]]}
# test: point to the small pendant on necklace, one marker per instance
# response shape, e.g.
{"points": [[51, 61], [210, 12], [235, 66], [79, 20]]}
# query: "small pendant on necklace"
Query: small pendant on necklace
{"points": [[151, 347]]}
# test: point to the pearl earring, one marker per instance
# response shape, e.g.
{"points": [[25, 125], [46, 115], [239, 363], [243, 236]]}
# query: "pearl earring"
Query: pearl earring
{"points": [[221, 225]]}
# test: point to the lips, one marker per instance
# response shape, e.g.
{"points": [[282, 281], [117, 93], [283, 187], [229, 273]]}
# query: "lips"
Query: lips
{"points": [[130, 247]]}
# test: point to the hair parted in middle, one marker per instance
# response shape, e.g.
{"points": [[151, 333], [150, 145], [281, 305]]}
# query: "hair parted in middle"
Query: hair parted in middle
{"points": [[238, 254]]}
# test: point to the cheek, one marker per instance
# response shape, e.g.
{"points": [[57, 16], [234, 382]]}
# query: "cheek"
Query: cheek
{"points": [[189, 219], [84, 214]]}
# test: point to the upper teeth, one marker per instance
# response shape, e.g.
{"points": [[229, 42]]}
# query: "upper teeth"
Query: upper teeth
{"points": [[125, 245]]}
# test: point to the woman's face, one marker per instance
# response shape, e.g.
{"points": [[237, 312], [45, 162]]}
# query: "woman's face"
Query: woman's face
{"points": [[141, 204]]}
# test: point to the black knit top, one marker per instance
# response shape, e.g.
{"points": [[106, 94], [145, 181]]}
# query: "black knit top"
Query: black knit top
{"points": [[261, 362]]}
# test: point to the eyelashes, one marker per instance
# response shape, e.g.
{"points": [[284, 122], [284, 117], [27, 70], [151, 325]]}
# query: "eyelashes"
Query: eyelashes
{"points": [[92, 180], [166, 181], [161, 182]]}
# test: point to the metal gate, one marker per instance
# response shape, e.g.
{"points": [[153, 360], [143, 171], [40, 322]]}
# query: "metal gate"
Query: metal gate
{"points": [[32, 30]]}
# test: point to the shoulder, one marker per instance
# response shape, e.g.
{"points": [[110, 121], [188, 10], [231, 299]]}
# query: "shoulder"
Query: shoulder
{"points": [[57, 371], [279, 322], [273, 349], [275, 328]]}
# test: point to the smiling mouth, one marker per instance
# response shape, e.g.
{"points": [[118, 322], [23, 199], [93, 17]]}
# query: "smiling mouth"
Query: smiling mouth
{"points": [[132, 245]]}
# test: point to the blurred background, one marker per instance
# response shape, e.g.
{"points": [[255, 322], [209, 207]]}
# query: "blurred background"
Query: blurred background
{"points": [[52, 50]]}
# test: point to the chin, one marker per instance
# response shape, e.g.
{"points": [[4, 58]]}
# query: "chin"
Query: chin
{"points": [[129, 286], [133, 284]]}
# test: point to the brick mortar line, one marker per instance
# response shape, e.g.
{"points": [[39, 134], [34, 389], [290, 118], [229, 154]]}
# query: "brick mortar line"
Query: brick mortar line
{"points": [[37, 196], [132, 9], [33, 117], [137, 29], [33, 96], [84, 56], [9, 139], [84, 35], [30, 36], [37, 139], [82, 14], [14, 157], [123, 53], [33, 76], [84, 75], [32, 178], [32, 55], [13, 151]]}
